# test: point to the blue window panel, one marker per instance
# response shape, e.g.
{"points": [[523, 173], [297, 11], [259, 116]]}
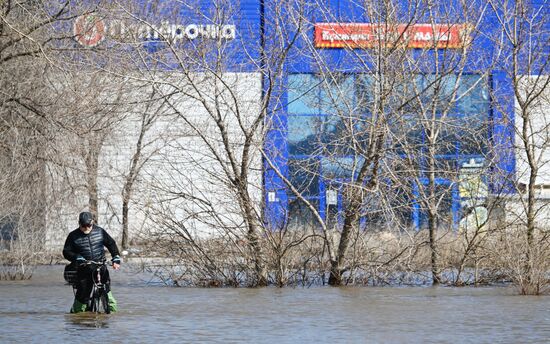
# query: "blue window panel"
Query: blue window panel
{"points": [[473, 131], [473, 96], [463, 134], [405, 95], [406, 134], [340, 168], [304, 175], [300, 215], [325, 135], [303, 134], [365, 91], [471, 93], [448, 140], [438, 91], [309, 94], [303, 94], [337, 94], [337, 134], [400, 95]]}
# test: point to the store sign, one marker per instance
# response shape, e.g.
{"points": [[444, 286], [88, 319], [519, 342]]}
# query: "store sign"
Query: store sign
{"points": [[90, 30], [361, 35]]}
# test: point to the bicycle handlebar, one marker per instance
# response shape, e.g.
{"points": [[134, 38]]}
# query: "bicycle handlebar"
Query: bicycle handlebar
{"points": [[92, 262]]}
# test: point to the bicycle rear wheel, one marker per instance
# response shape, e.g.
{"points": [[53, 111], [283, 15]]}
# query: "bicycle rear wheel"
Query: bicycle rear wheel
{"points": [[94, 302]]}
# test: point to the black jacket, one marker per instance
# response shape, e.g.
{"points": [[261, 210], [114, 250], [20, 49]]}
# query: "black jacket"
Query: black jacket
{"points": [[89, 246]]}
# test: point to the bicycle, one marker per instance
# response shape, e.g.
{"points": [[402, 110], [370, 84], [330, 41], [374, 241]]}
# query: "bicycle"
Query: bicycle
{"points": [[98, 295]]}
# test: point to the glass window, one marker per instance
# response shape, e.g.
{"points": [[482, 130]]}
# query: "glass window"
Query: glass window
{"points": [[303, 134], [340, 168], [400, 95], [317, 135], [304, 175], [336, 96], [365, 92], [336, 135], [335, 112], [300, 216], [404, 95], [473, 131], [303, 94], [473, 95], [439, 92], [310, 94], [448, 140], [406, 134]]}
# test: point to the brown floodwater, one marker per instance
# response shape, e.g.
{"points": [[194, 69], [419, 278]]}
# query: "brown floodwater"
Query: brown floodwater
{"points": [[36, 311]]}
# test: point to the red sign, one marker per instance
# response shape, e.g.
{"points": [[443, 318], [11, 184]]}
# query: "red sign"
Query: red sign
{"points": [[89, 30], [360, 35]]}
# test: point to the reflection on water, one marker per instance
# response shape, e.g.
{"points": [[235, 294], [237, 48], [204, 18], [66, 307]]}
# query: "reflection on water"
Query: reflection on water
{"points": [[37, 311], [86, 320]]}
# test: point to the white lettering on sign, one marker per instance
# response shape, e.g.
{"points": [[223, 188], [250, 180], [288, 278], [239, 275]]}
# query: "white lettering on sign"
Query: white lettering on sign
{"points": [[166, 31], [366, 35], [175, 32], [423, 36]]}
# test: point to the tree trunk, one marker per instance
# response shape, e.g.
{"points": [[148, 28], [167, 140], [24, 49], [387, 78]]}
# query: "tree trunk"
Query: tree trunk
{"points": [[124, 243], [530, 224], [92, 164], [259, 267], [436, 279], [337, 267], [253, 238], [432, 211]]}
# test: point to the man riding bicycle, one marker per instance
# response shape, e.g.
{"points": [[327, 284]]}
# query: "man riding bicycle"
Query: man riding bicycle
{"points": [[83, 244]]}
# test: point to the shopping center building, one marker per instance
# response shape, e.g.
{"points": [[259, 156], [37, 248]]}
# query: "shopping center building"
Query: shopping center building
{"points": [[400, 86], [347, 59]]}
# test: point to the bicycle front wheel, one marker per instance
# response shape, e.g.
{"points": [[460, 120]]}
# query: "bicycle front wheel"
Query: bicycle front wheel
{"points": [[94, 301], [105, 302]]}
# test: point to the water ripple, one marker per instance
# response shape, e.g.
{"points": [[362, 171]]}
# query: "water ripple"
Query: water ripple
{"points": [[36, 311]]}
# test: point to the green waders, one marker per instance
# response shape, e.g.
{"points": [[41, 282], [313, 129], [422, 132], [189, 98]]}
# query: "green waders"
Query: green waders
{"points": [[78, 307], [81, 307], [112, 302]]}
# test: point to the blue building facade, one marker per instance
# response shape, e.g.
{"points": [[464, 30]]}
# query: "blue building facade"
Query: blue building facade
{"points": [[336, 55], [303, 119]]}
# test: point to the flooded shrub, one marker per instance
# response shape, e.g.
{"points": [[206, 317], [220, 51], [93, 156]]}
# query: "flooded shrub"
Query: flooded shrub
{"points": [[526, 265]]}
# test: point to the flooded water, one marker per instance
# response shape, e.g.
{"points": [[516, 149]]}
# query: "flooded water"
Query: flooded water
{"points": [[36, 311]]}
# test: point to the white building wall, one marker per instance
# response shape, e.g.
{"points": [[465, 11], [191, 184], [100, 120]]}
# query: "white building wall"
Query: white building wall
{"points": [[538, 131], [182, 165], [538, 136]]}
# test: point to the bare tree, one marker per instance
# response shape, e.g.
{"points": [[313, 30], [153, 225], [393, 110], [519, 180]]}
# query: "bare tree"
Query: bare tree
{"points": [[400, 111], [212, 171], [523, 41], [29, 42], [151, 112]]}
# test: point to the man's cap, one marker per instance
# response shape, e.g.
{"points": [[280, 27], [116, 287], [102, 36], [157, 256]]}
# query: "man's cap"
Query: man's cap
{"points": [[85, 218]]}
